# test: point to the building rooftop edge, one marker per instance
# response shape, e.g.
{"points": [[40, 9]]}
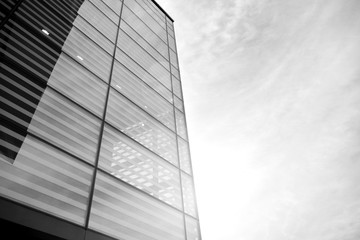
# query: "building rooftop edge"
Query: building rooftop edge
{"points": [[162, 10]]}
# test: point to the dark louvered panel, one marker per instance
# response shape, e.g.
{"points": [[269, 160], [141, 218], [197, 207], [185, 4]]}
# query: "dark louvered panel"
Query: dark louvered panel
{"points": [[31, 39]]}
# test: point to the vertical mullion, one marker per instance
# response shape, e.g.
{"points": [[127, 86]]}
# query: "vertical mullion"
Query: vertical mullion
{"points": [[92, 189]]}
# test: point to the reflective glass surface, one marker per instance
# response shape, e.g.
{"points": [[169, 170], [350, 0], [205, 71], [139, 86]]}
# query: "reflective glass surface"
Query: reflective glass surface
{"points": [[188, 194], [134, 164], [192, 228], [180, 124], [47, 179], [140, 126], [139, 26], [80, 85], [184, 155], [88, 53], [66, 125], [178, 103], [143, 59], [98, 19], [129, 85], [142, 74], [176, 87], [125, 213]]}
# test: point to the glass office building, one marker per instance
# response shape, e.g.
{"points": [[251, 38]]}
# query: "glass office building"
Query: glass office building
{"points": [[94, 141]]}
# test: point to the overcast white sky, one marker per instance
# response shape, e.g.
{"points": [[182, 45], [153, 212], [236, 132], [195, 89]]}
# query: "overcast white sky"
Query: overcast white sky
{"points": [[272, 97]]}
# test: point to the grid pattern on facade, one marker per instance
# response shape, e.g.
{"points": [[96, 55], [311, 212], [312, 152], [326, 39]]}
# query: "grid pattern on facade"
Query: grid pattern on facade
{"points": [[93, 128]]}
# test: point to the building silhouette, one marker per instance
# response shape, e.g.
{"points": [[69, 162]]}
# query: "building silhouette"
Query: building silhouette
{"points": [[93, 134]]}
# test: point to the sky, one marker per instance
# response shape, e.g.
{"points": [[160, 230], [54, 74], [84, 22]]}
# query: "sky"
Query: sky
{"points": [[272, 95]]}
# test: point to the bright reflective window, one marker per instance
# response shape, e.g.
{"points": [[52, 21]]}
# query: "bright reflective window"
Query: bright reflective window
{"points": [[140, 126], [134, 164], [188, 195]]}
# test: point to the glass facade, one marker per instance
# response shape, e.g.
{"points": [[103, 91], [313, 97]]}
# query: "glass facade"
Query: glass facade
{"points": [[93, 127]]}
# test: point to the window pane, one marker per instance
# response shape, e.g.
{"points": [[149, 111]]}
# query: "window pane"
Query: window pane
{"points": [[47, 179], [188, 194], [173, 59], [184, 155], [60, 122], [115, 5], [94, 34], [145, 45], [134, 164], [140, 126], [88, 54], [192, 229], [180, 124], [176, 87], [106, 10], [178, 103], [77, 83], [153, 11], [127, 213], [175, 72], [143, 58], [91, 14], [172, 43], [147, 19], [143, 30], [144, 96], [142, 74]]}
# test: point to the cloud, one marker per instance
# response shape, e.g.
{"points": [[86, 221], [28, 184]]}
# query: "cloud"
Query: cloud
{"points": [[272, 90]]}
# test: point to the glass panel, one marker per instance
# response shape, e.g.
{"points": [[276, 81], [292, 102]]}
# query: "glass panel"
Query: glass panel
{"points": [[143, 75], [91, 14], [145, 45], [77, 83], [115, 5], [134, 164], [124, 212], [106, 11], [173, 59], [47, 179], [170, 23], [60, 122], [178, 103], [88, 54], [143, 58], [192, 229], [154, 8], [153, 11], [140, 126], [172, 43], [180, 124], [170, 32], [147, 19], [175, 72], [184, 155], [188, 194], [94, 34], [177, 87], [143, 30], [140, 93]]}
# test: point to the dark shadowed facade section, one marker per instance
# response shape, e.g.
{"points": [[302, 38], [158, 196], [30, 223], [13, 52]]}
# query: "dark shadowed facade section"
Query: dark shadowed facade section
{"points": [[93, 134]]}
